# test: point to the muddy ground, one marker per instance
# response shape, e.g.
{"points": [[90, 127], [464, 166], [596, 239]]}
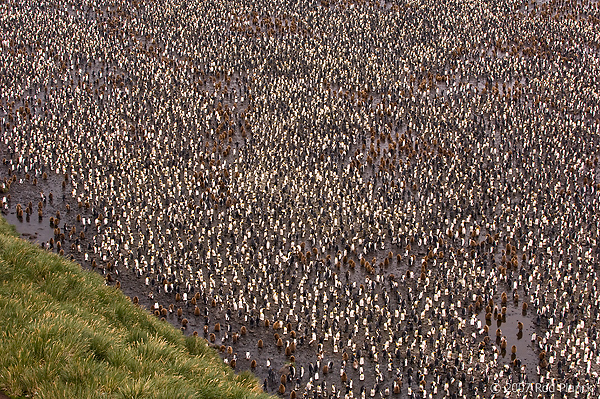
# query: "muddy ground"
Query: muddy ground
{"points": [[39, 231]]}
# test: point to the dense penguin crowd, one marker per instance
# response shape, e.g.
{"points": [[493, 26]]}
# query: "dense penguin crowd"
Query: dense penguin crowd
{"points": [[351, 199]]}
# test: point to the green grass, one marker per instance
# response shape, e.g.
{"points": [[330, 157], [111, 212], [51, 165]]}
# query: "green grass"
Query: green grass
{"points": [[65, 334]]}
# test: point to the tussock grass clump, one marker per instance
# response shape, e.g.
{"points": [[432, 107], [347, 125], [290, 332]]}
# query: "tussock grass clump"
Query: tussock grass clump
{"points": [[64, 333]]}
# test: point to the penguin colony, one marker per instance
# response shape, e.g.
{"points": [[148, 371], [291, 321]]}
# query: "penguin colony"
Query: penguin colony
{"points": [[349, 198]]}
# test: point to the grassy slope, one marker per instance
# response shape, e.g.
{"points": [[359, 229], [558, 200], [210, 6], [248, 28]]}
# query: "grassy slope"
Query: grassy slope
{"points": [[64, 334]]}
